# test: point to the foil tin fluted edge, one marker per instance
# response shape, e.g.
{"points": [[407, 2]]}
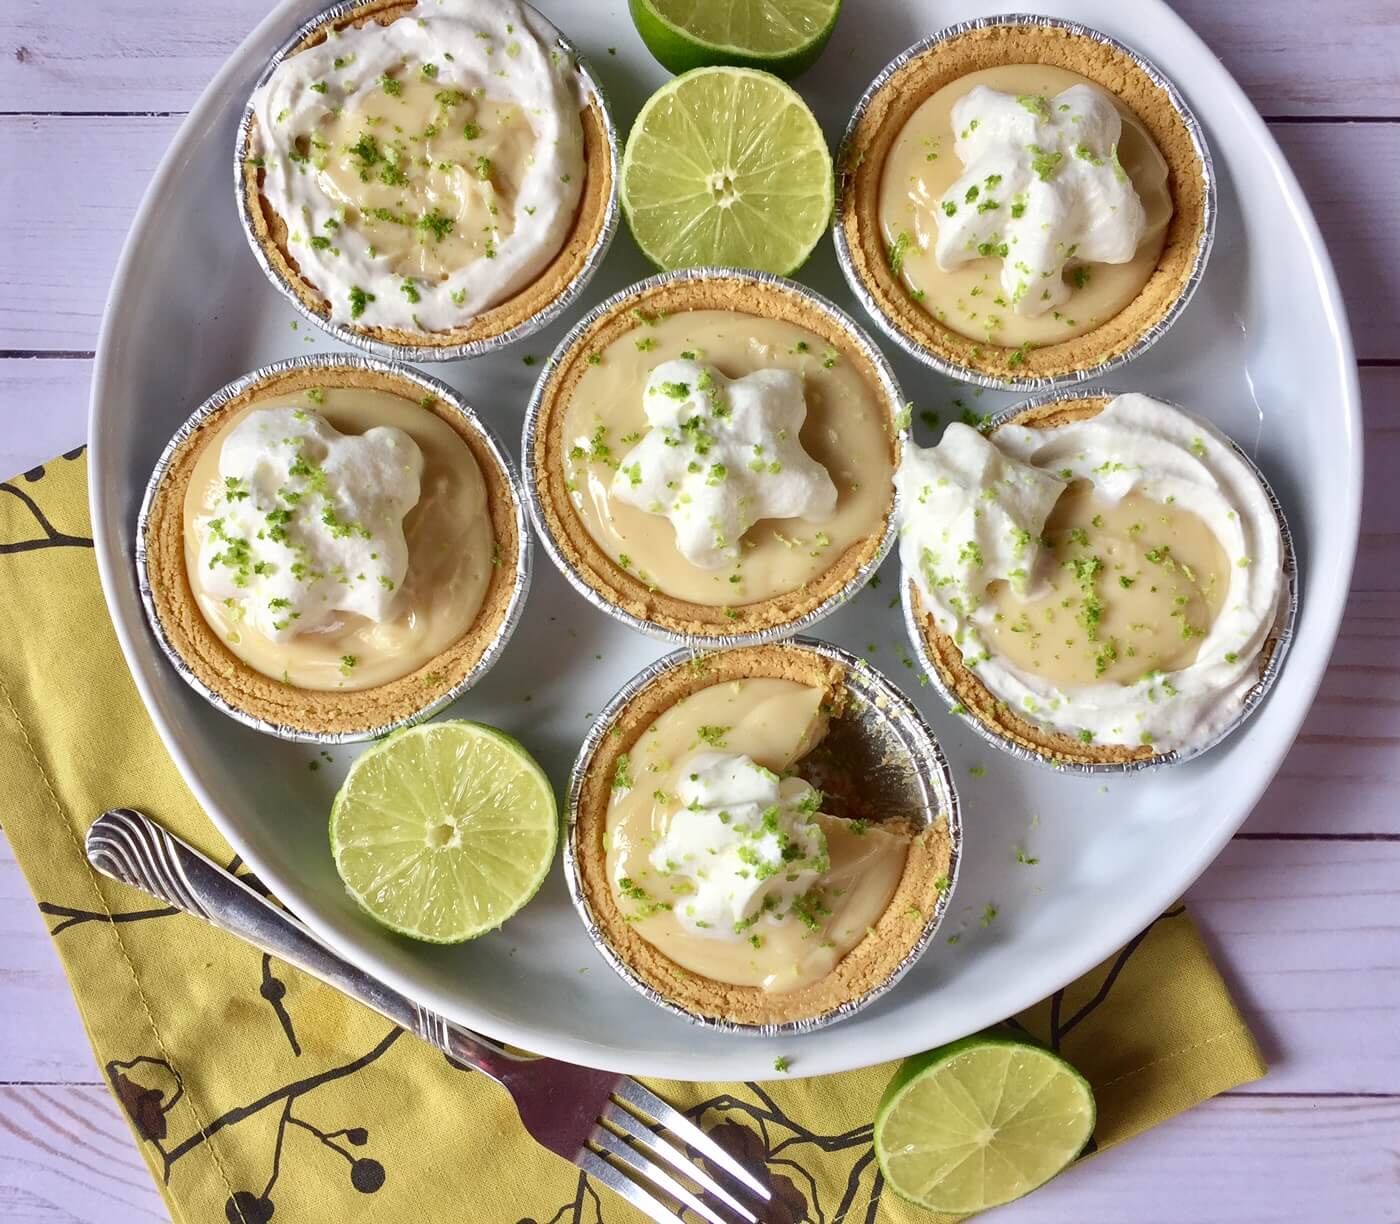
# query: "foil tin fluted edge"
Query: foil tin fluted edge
{"points": [[592, 91], [889, 388], [884, 700], [331, 362], [1282, 635], [967, 374]]}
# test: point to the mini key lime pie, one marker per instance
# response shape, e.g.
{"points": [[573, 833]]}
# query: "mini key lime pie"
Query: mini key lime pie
{"points": [[1098, 582], [1024, 202], [427, 179], [710, 456], [763, 837], [331, 547]]}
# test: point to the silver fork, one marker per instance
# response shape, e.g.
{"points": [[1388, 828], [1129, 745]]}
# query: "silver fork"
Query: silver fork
{"points": [[609, 1125]]}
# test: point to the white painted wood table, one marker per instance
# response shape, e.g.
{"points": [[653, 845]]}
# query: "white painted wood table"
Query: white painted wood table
{"points": [[1302, 910]]}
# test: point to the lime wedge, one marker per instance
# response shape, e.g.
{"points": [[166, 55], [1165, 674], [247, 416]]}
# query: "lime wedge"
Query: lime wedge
{"points": [[783, 36], [727, 166], [980, 1122], [443, 831]]}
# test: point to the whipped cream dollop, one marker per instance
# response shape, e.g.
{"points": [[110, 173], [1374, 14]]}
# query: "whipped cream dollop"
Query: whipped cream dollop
{"points": [[1042, 190], [309, 521], [720, 455], [744, 847], [974, 511], [475, 54]]}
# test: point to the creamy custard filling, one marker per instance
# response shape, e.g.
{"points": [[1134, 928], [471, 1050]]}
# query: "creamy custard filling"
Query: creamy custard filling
{"points": [[1114, 578], [363, 619], [431, 177], [427, 169], [1122, 589], [980, 297], [755, 932], [843, 432]]}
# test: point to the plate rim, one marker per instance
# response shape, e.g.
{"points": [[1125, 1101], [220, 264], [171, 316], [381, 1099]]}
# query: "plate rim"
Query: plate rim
{"points": [[746, 1059]]}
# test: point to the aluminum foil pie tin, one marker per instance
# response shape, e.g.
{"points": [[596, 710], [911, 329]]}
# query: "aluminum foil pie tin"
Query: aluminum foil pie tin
{"points": [[331, 363], [889, 389], [967, 374], [886, 718], [1281, 637], [591, 90]]}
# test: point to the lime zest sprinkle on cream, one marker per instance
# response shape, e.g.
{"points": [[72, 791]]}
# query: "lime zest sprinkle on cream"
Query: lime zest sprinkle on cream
{"points": [[749, 849], [719, 455], [311, 523], [1092, 215]]}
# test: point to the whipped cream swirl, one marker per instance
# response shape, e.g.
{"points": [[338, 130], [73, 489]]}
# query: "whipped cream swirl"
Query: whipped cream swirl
{"points": [[720, 455], [974, 512], [1042, 190], [309, 522], [745, 846]]}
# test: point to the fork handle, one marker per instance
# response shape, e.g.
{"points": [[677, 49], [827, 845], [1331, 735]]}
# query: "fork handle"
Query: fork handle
{"points": [[132, 848]]}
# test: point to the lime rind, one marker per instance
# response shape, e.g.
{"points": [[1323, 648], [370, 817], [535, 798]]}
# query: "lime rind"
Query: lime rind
{"points": [[727, 167], [444, 831], [981, 1122], [784, 37]]}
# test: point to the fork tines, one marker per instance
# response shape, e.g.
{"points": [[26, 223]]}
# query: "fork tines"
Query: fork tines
{"points": [[625, 1147]]}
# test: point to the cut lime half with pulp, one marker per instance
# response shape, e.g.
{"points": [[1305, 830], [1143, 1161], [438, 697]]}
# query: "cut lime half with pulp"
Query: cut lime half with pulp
{"points": [[980, 1122], [727, 166], [782, 36], [443, 831]]}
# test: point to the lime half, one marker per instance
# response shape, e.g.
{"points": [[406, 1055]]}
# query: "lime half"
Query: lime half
{"points": [[783, 36], [442, 832], [980, 1122], [727, 166]]}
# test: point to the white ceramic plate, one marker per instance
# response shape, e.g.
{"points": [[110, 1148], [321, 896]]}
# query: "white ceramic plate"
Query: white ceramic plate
{"points": [[1263, 351]]}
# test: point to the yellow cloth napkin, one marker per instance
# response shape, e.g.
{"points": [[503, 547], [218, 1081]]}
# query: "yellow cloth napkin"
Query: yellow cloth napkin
{"points": [[253, 1090]]}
